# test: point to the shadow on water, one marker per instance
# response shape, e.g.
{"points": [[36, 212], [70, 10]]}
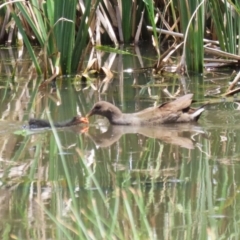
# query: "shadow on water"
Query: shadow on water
{"points": [[114, 182]]}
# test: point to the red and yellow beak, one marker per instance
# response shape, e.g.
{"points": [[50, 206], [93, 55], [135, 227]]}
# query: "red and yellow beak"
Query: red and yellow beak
{"points": [[84, 120]]}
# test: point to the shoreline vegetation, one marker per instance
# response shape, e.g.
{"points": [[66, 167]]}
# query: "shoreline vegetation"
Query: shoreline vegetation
{"points": [[66, 30]]}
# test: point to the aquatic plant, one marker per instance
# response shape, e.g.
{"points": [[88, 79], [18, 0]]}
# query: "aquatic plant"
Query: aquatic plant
{"points": [[65, 30]]}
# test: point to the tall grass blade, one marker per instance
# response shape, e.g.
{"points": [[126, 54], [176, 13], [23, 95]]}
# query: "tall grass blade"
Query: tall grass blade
{"points": [[27, 43], [126, 19], [218, 20], [81, 38], [150, 9], [192, 15], [65, 31]]}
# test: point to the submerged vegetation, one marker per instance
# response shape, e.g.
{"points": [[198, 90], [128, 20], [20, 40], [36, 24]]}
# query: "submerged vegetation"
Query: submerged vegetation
{"points": [[66, 30]]}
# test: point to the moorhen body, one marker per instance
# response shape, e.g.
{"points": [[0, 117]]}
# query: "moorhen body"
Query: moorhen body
{"points": [[177, 111]]}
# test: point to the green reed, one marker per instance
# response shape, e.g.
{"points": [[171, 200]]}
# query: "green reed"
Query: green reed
{"points": [[53, 24], [226, 17], [62, 28], [192, 25]]}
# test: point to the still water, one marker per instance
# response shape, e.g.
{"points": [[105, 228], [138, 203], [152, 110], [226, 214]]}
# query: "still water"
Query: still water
{"points": [[104, 182]]}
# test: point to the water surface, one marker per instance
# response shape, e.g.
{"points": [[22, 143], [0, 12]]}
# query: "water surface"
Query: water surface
{"points": [[105, 182]]}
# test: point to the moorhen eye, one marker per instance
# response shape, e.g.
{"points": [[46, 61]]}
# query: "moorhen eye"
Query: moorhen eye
{"points": [[97, 107]]}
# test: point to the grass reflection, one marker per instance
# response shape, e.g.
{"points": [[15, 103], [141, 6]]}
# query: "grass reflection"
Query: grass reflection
{"points": [[157, 191], [119, 183]]}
